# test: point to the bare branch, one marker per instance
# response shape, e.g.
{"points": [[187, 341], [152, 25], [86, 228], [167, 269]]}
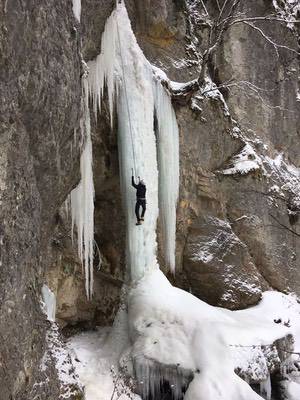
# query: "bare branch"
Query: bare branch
{"points": [[284, 226], [269, 40], [288, 351], [250, 86], [217, 31], [203, 5], [233, 8], [265, 18], [218, 4], [222, 10]]}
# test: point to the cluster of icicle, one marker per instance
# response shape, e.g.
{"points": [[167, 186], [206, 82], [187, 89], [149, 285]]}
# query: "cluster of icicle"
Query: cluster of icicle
{"points": [[122, 68], [82, 199], [153, 379], [77, 9]]}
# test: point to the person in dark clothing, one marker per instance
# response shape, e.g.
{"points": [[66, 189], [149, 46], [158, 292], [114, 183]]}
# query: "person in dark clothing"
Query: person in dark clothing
{"points": [[140, 199]]}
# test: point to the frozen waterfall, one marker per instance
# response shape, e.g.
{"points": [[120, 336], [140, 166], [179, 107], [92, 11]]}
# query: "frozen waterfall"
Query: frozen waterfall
{"points": [[123, 69], [82, 199], [166, 337]]}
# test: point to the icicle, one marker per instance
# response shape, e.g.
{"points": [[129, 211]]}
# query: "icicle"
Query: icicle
{"points": [[265, 388], [82, 202], [50, 303], [151, 378], [168, 162], [77, 9], [102, 70], [124, 70], [128, 77]]}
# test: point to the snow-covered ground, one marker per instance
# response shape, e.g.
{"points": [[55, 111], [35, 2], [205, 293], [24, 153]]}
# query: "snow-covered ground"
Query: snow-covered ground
{"points": [[93, 365], [95, 356]]}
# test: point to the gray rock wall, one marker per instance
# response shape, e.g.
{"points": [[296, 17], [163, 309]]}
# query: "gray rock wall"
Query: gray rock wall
{"points": [[39, 107]]}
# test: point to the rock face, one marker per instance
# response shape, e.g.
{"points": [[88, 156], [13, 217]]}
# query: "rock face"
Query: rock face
{"points": [[238, 211], [40, 108], [219, 266]]}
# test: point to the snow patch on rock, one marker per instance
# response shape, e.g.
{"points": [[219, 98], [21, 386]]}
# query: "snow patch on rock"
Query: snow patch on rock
{"points": [[246, 161]]}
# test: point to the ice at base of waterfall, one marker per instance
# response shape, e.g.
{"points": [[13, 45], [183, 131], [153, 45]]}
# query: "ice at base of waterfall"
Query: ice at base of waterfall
{"points": [[292, 390], [176, 329], [95, 356], [178, 338]]}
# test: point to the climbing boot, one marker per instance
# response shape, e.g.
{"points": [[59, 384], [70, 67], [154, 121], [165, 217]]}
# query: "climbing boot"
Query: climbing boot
{"points": [[138, 223]]}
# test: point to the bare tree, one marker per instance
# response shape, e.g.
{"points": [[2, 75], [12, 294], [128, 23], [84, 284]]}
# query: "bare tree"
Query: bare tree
{"points": [[229, 15]]}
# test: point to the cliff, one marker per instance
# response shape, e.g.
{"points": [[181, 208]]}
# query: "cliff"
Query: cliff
{"points": [[238, 208]]}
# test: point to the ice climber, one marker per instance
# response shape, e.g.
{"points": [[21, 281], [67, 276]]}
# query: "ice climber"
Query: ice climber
{"points": [[140, 199]]}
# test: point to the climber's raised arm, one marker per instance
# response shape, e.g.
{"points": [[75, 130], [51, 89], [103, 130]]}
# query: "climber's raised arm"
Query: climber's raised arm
{"points": [[133, 183]]}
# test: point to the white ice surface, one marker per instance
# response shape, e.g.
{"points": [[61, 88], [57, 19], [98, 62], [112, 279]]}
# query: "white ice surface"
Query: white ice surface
{"points": [[77, 9], [58, 355], [82, 199], [49, 303], [94, 355], [122, 68], [174, 328], [292, 390]]}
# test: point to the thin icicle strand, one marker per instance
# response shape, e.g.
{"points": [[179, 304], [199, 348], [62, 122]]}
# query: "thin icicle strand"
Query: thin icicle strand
{"points": [[168, 164], [82, 202], [77, 9]]}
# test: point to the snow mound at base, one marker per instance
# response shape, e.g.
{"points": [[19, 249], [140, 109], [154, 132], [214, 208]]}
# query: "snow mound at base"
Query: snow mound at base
{"points": [[177, 330]]}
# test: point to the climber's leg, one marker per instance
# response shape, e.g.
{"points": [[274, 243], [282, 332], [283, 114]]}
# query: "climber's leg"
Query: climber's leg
{"points": [[143, 204], [137, 211]]}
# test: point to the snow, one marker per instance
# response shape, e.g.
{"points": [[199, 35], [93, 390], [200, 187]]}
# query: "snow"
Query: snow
{"points": [[49, 301], [86, 351], [288, 10], [96, 359], [56, 351], [278, 306], [177, 330], [122, 68], [285, 176], [176, 337], [210, 90], [244, 162], [236, 132], [82, 200], [293, 390], [265, 388], [252, 363], [77, 9]]}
